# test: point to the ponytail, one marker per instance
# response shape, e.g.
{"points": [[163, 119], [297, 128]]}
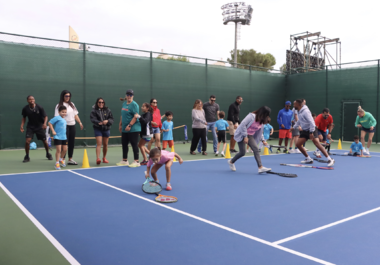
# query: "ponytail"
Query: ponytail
{"points": [[360, 109]]}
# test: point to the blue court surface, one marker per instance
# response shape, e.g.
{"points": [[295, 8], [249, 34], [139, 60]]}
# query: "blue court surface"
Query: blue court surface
{"points": [[101, 216]]}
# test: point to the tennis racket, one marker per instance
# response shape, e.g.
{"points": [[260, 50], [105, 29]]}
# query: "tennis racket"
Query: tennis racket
{"points": [[298, 165], [348, 154], [166, 199], [286, 175], [151, 187]]}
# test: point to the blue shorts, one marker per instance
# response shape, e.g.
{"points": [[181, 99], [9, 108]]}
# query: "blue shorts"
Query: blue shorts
{"points": [[369, 130], [101, 133], [324, 134], [156, 130]]}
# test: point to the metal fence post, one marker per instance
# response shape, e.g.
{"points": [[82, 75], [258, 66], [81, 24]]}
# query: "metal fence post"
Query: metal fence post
{"points": [[84, 89], [377, 97], [327, 78], [206, 77], [151, 75]]}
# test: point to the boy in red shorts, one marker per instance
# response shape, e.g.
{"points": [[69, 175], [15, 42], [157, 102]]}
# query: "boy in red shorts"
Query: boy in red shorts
{"points": [[167, 129]]}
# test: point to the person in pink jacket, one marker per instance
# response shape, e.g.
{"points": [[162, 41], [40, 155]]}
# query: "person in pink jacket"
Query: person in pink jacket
{"points": [[156, 124]]}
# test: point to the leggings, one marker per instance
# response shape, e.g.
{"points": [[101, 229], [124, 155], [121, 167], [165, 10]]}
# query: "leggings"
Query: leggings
{"points": [[198, 133], [327, 147], [255, 149], [133, 138], [70, 134]]}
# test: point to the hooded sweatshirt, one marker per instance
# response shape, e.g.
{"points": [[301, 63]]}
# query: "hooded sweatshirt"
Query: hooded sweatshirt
{"points": [[156, 117], [285, 117], [305, 120]]}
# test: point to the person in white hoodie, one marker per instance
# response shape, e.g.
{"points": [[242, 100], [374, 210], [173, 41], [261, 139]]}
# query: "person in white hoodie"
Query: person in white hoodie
{"points": [[306, 125], [250, 131]]}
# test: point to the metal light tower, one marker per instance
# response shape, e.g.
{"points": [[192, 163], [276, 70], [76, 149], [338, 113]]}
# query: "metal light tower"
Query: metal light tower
{"points": [[238, 13]]}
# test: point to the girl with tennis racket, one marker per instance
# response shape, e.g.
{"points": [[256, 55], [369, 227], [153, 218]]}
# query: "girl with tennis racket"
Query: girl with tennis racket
{"points": [[250, 131], [159, 158]]}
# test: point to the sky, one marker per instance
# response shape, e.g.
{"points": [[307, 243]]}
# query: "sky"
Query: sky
{"points": [[195, 28]]}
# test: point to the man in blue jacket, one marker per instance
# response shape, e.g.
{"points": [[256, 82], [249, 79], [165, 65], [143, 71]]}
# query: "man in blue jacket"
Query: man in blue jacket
{"points": [[284, 120]]}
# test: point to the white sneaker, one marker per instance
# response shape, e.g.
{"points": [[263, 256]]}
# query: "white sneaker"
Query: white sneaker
{"points": [[232, 166], [307, 161], [247, 151], [264, 169], [135, 164], [317, 154], [122, 163], [222, 154], [306, 149], [331, 163], [365, 151], [292, 151], [72, 162], [216, 153], [368, 152], [298, 151]]}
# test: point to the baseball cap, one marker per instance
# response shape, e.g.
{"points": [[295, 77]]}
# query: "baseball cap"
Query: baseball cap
{"points": [[288, 103], [129, 91]]}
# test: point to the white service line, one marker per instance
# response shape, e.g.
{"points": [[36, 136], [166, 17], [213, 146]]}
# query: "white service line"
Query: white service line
{"points": [[46, 233], [325, 226], [209, 222]]}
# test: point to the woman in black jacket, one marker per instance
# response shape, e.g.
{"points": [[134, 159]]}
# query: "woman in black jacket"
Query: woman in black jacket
{"points": [[102, 119], [146, 129]]}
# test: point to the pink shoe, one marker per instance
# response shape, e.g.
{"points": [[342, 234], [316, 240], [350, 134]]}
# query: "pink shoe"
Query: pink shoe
{"points": [[168, 187]]}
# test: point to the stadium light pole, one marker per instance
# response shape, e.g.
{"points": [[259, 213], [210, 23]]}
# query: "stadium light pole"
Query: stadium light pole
{"points": [[237, 12]]}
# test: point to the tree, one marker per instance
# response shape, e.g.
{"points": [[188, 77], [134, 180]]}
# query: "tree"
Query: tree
{"points": [[173, 58], [283, 68], [251, 57]]}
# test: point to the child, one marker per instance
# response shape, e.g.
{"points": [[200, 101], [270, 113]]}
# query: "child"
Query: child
{"points": [[329, 140], [220, 127], [268, 130], [60, 139], [159, 158], [167, 128], [356, 148], [146, 133]]}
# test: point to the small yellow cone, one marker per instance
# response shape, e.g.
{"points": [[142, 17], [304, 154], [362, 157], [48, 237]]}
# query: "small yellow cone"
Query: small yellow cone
{"points": [[174, 159], [228, 154], [339, 145], [266, 151], [85, 163]]}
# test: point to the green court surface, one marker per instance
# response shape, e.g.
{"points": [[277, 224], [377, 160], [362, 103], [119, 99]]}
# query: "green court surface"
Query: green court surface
{"points": [[21, 241]]}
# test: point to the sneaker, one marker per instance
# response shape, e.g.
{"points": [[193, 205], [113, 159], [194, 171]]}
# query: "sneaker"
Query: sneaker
{"points": [[251, 151], [365, 151], [306, 149], [317, 154], [105, 160], [297, 151], [168, 187], [192, 153], [291, 151], [278, 151], [286, 151], [232, 166], [247, 151], [222, 154], [49, 156], [331, 163], [307, 161], [216, 153], [264, 169], [144, 163], [57, 167], [204, 153], [98, 161], [26, 159], [122, 163], [72, 162], [62, 163], [134, 164], [233, 151]]}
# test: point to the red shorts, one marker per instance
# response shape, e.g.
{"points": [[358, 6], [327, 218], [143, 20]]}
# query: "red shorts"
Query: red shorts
{"points": [[284, 133], [165, 144]]}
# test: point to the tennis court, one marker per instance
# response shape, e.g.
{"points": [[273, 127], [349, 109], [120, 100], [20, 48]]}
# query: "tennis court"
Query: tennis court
{"points": [[101, 216]]}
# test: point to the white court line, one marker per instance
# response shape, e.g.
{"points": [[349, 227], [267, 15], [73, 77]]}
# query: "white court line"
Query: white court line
{"points": [[325, 226], [43, 230], [210, 222]]}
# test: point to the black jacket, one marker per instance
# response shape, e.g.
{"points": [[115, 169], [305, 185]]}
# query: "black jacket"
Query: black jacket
{"points": [[99, 116], [233, 113], [146, 119]]}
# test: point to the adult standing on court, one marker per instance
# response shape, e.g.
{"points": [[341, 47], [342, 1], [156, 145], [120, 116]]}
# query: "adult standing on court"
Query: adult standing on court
{"points": [[102, 119], [199, 126], [295, 133], [130, 129], [367, 123], [156, 124], [306, 125], [234, 121], [284, 120], [250, 132], [71, 117], [211, 109], [37, 120], [323, 122]]}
